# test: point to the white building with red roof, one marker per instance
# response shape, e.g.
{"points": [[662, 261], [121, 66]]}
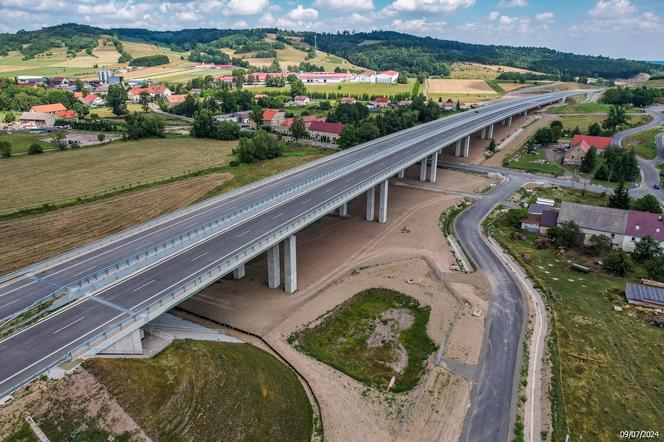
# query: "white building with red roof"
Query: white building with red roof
{"points": [[301, 100], [387, 77], [154, 91], [175, 99], [325, 132], [324, 77]]}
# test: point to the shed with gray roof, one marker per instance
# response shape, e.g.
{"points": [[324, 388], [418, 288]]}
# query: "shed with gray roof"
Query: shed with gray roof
{"points": [[596, 220]]}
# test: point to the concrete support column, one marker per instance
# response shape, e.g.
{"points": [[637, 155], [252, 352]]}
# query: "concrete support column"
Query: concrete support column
{"points": [[466, 147], [371, 199], [402, 173], [239, 272], [290, 265], [434, 167], [273, 267], [423, 169], [343, 209], [525, 113], [490, 134], [483, 134], [509, 121], [382, 208], [457, 149]]}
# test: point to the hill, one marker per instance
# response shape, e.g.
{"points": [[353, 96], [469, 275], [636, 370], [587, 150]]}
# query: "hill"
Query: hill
{"points": [[393, 50], [378, 50]]}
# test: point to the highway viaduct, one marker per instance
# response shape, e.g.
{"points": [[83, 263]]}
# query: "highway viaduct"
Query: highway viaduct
{"points": [[117, 285]]}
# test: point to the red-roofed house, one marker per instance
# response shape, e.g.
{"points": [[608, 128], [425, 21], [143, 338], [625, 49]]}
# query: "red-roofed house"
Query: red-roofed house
{"points": [[640, 224], [154, 91], [364, 77], [324, 131], [301, 100], [78, 95], [387, 77], [598, 143], [286, 123], [576, 153], [91, 100], [324, 77], [273, 117], [66, 114], [348, 100], [175, 99], [48, 108], [381, 102]]}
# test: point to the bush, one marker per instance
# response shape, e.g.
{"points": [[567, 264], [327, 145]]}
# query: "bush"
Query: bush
{"points": [[618, 263], [566, 233], [5, 149], [142, 126], [261, 146], [35, 149], [234, 163], [101, 137]]}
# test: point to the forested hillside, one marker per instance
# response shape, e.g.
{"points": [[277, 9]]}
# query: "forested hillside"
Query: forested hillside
{"points": [[377, 50], [392, 50]]}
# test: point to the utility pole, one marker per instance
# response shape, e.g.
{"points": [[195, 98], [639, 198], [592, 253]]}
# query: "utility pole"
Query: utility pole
{"points": [[315, 42]]}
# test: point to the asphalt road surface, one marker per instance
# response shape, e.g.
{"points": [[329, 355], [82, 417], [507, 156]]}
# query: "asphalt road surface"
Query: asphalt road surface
{"points": [[33, 350]]}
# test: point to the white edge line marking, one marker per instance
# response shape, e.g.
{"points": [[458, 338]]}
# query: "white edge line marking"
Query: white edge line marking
{"points": [[68, 325]]}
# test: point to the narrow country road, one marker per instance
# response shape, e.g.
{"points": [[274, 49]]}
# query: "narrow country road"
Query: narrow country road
{"points": [[154, 108], [494, 396]]}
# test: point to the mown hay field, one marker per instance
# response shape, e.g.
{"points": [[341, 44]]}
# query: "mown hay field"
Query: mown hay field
{"points": [[454, 86]]}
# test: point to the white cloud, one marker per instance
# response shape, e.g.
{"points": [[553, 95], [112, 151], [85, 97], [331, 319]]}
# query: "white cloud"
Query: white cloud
{"points": [[429, 5], [493, 16], [301, 13], [363, 5], [545, 17], [418, 26], [612, 8], [619, 15], [244, 7], [512, 3]]}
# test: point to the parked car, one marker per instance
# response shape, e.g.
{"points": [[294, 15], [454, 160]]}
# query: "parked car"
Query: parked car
{"points": [[657, 186]]}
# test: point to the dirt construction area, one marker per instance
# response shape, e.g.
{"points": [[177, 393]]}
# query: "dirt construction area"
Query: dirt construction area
{"points": [[340, 256], [449, 86]]}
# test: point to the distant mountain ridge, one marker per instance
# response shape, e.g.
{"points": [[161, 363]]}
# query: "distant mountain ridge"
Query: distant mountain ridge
{"points": [[377, 50]]}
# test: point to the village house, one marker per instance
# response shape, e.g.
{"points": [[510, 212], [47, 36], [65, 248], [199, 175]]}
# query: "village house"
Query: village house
{"points": [[348, 100], [380, 102], [174, 99], [325, 132], [364, 77], [388, 77], [286, 123], [640, 225], [66, 114], [155, 91], [48, 108], [37, 119], [30, 80], [91, 100], [273, 118], [596, 220], [580, 146], [324, 77]]}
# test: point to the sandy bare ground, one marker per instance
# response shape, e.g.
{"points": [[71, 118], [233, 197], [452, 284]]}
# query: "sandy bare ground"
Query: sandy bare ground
{"points": [[338, 257], [79, 393], [449, 86], [29, 239]]}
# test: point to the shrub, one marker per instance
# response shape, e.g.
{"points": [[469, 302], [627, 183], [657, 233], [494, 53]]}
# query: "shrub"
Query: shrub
{"points": [[618, 263], [5, 149], [35, 149]]}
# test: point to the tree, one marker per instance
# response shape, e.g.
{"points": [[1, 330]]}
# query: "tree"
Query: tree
{"points": [[589, 161], [647, 203], [595, 129], [256, 115], [10, 117], [402, 78], [566, 233], [35, 149], [116, 98], [59, 140], [367, 131], [600, 244], [620, 198], [647, 248], [348, 137], [259, 147], [144, 125], [616, 116], [492, 145], [655, 267], [298, 129], [144, 101], [515, 216], [5, 149], [297, 88], [101, 137], [545, 135], [577, 130], [617, 263]]}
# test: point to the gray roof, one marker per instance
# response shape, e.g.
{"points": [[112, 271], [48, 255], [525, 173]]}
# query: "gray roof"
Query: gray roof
{"points": [[603, 219], [644, 293], [36, 116]]}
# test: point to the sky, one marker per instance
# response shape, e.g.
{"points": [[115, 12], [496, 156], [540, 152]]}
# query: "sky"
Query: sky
{"points": [[616, 28]]}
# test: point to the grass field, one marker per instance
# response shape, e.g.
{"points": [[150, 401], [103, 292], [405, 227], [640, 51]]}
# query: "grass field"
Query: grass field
{"points": [[606, 363], [209, 391], [583, 121], [55, 177], [644, 143], [475, 71], [21, 141], [447, 86], [343, 339], [533, 162], [348, 89], [29, 239], [581, 108]]}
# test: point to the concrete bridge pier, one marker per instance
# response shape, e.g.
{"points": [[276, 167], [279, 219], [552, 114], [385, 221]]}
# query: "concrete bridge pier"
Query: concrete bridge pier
{"points": [[525, 113], [509, 121], [371, 199], [273, 267], [483, 134], [343, 209], [290, 265], [434, 167], [466, 147], [457, 149], [382, 208], [423, 169], [490, 132], [239, 272], [402, 173]]}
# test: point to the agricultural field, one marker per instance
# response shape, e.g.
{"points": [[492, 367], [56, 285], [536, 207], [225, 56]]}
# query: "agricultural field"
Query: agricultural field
{"points": [[511, 86], [584, 121], [533, 162], [251, 392], [605, 362], [476, 71], [62, 176], [375, 335], [348, 89], [449, 86], [21, 141], [28, 239], [580, 108], [644, 143]]}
